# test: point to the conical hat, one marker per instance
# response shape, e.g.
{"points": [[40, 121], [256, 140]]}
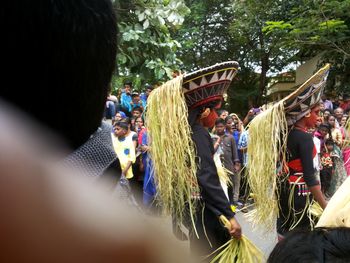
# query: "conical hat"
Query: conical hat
{"points": [[208, 84], [299, 103]]}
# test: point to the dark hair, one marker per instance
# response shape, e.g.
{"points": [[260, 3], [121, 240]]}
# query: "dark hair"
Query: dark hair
{"points": [[64, 54], [128, 82], [122, 124], [148, 86], [139, 109], [127, 120], [220, 121], [228, 118], [321, 245], [329, 142]]}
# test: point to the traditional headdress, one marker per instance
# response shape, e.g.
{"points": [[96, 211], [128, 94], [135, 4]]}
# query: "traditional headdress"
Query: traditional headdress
{"points": [[171, 147], [267, 145]]}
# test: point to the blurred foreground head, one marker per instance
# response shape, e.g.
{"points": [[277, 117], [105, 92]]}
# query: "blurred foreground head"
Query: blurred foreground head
{"points": [[328, 245], [51, 214], [57, 59]]}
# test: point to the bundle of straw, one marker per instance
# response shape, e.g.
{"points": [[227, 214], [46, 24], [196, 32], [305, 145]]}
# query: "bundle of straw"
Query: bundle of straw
{"points": [[315, 209], [237, 250], [267, 146], [171, 148]]}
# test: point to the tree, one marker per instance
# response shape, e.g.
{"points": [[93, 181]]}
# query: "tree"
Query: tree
{"points": [[146, 50], [320, 27], [263, 52]]}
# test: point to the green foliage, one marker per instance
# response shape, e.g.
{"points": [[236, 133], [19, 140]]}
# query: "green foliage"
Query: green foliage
{"points": [[317, 27], [146, 50]]}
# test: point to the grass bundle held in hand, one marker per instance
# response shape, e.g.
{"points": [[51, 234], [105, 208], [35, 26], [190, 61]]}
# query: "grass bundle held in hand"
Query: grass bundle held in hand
{"points": [[266, 148], [237, 250], [171, 148]]}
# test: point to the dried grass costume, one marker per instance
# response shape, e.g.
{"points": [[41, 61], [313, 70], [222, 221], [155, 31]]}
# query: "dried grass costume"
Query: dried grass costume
{"points": [[187, 181], [280, 158]]}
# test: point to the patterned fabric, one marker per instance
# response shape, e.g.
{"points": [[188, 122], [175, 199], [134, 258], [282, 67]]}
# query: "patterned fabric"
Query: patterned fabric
{"points": [[95, 156], [243, 143], [299, 103], [208, 84]]}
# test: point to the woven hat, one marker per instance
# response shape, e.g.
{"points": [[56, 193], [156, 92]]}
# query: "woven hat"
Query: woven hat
{"points": [[301, 101], [208, 84]]}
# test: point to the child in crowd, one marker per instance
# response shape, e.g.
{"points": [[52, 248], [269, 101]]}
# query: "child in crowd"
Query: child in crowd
{"points": [[327, 165], [124, 148]]}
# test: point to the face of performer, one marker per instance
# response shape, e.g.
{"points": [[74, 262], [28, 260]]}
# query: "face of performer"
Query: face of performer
{"points": [[209, 121], [310, 122]]}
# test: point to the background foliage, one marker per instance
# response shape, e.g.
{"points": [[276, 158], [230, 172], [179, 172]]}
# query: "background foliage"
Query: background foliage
{"points": [[265, 37]]}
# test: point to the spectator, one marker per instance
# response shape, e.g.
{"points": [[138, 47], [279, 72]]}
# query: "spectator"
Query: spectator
{"points": [[336, 133], [328, 105], [226, 145], [136, 112], [326, 114], [338, 113], [119, 116], [136, 102], [223, 114], [144, 95], [125, 99], [327, 166], [124, 148]]}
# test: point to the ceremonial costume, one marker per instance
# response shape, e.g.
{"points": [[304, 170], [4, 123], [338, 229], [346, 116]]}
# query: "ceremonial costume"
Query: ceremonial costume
{"points": [[181, 149], [280, 159]]}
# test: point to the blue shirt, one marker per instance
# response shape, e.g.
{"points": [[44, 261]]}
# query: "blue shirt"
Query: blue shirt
{"points": [[243, 143], [125, 100]]}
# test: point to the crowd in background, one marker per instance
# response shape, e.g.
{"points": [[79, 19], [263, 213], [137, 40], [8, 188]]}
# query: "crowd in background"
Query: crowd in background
{"points": [[230, 140]]}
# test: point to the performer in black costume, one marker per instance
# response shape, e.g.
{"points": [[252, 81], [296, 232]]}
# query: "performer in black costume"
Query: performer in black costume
{"points": [[287, 144], [203, 92]]}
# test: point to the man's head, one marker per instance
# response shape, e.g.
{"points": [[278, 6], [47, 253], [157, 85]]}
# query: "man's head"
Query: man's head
{"points": [[59, 57], [220, 126], [121, 128], [149, 89], [310, 119], [324, 129], [339, 112], [136, 112], [135, 97], [128, 86], [223, 114]]}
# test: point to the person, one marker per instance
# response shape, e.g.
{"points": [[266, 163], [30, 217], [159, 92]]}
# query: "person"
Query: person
{"points": [[338, 114], [124, 148], [136, 112], [223, 114], [111, 107], [144, 95], [68, 51], [226, 145], [136, 102], [327, 166], [326, 245], [203, 199], [328, 242], [126, 99], [119, 116], [328, 105], [286, 195]]}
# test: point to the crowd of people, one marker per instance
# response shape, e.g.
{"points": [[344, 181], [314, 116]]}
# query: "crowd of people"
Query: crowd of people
{"points": [[230, 141], [53, 207]]}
